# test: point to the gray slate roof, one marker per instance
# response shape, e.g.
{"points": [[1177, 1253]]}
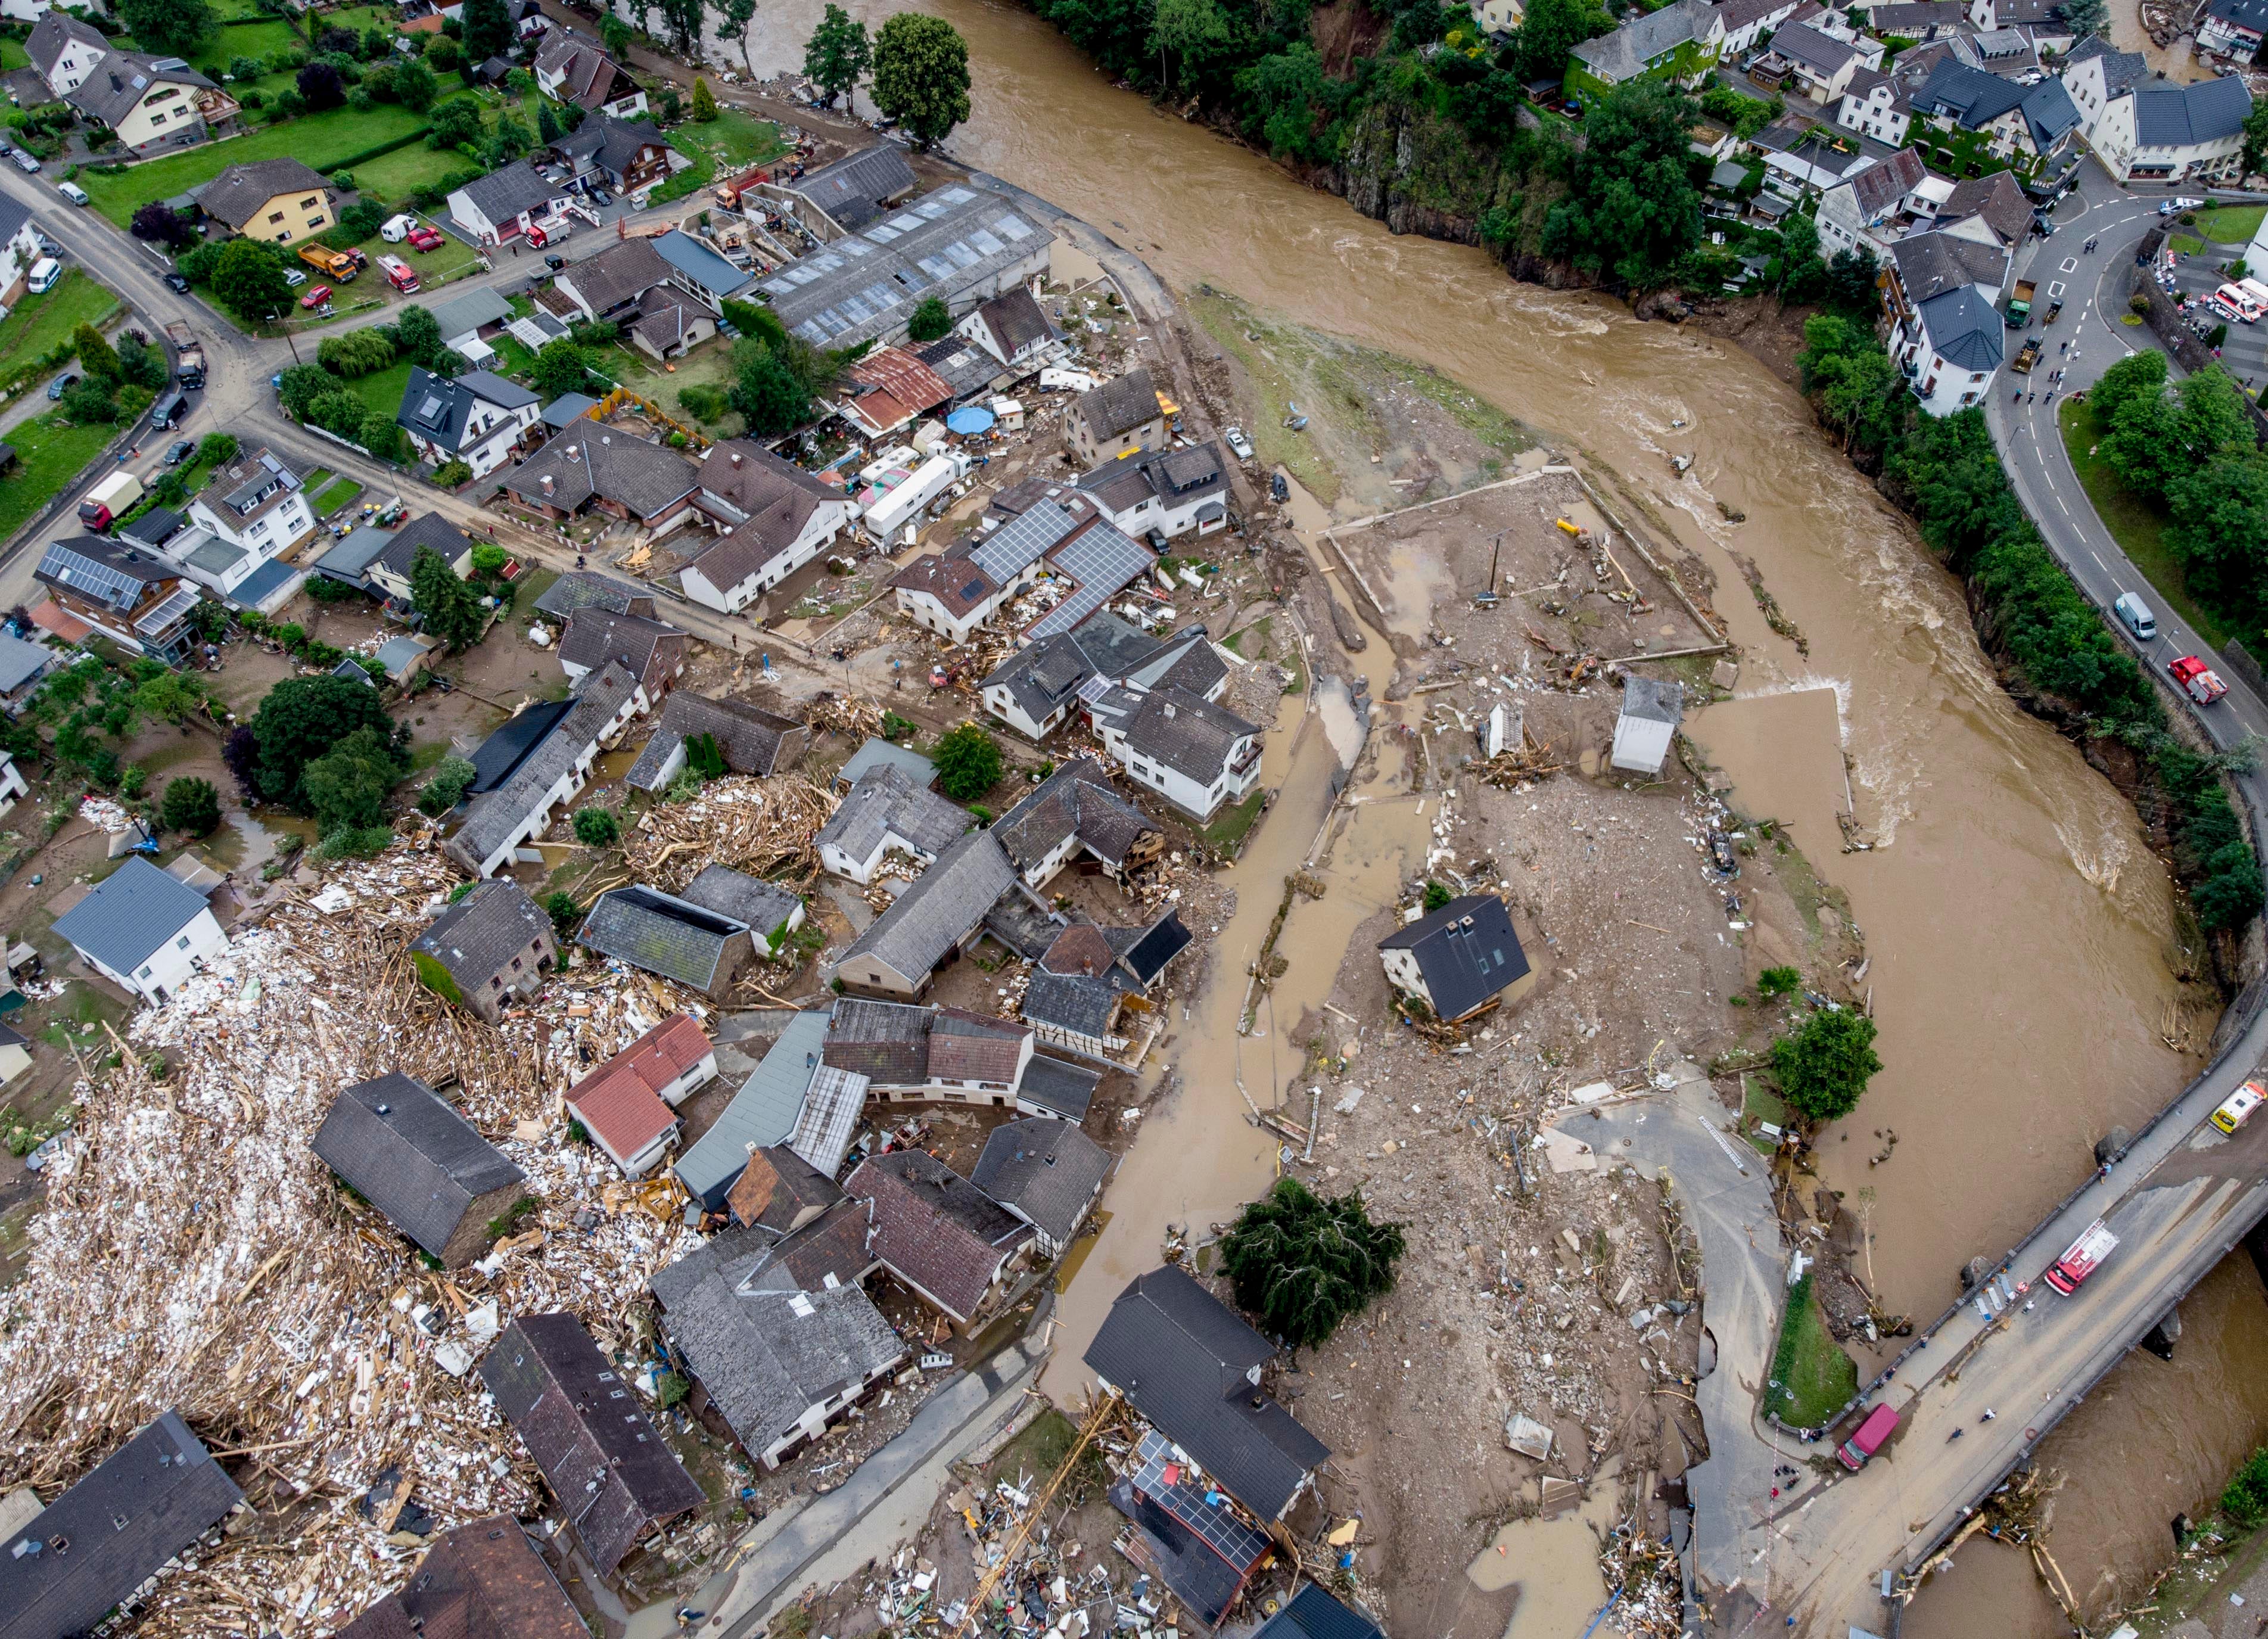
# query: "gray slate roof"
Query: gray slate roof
{"points": [[1963, 326], [1653, 700], [886, 802], [1078, 1002], [1929, 264], [660, 934], [411, 1156], [1077, 799], [2185, 117], [1044, 1170], [1624, 53], [1016, 321], [1466, 951], [470, 310], [444, 539], [767, 503], [147, 1501], [497, 816], [613, 1474], [752, 740], [21, 661], [887, 1042], [852, 189], [240, 192], [2120, 68], [1314, 1614], [437, 408], [764, 906], [580, 588], [594, 635], [123, 78], [1119, 405], [1181, 1356], [762, 1113], [132, 913], [1064, 1090], [587, 461], [56, 30], [477, 938], [934, 915], [880, 753], [501, 195], [1188, 733], [768, 1357]]}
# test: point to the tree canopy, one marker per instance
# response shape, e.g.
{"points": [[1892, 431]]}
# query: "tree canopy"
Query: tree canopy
{"points": [[168, 28], [347, 785], [249, 280], [766, 391], [1303, 1263], [190, 805], [487, 30], [1631, 209], [300, 719], [1824, 1067], [967, 763], [921, 75], [839, 53], [1550, 30], [451, 609], [930, 321]]}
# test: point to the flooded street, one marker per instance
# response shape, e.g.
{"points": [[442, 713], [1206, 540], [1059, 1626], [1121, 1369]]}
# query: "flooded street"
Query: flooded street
{"points": [[2020, 932]]}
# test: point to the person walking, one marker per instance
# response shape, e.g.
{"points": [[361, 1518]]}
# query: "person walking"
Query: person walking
{"points": [[1989, 1414]]}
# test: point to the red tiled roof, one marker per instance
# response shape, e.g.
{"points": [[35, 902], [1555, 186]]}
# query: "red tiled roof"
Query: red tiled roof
{"points": [[620, 1101], [50, 615], [903, 377]]}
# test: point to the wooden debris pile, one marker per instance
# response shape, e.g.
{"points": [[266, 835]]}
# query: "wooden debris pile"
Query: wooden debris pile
{"points": [[852, 717], [194, 1253], [763, 827]]}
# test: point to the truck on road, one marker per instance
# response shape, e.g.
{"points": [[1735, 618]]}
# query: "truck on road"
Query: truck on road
{"points": [[2094, 1243], [333, 263], [2028, 356], [2020, 305], [1869, 1438], [2196, 679], [109, 500], [188, 355]]}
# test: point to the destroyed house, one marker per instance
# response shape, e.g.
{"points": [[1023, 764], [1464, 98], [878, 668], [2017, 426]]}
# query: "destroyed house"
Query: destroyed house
{"points": [[832, 1104], [1458, 959], [492, 945], [548, 777], [629, 1104], [930, 922], [88, 1553], [751, 740], [914, 1053], [779, 1192], [1190, 1368], [859, 186], [483, 1580], [771, 911], [1203, 1553], [1037, 688], [579, 588], [887, 810], [1048, 1173], [1076, 810], [762, 1114], [397, 1144], [659, 933], [609, 1470], [937, 1232], [1091, 981]]}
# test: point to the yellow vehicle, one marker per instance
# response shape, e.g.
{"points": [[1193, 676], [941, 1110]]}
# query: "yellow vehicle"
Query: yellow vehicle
{"points": [[336, 264], [2239, 1105]]}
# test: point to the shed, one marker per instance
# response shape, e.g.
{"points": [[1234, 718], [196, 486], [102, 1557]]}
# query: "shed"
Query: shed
{"points": [[762, 1113], [399, 1146], [665, 935], [1650, 715]]}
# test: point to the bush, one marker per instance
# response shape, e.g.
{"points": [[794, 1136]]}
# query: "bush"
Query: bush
{"points": [[564, 911], [596, 827], [701, 402], [1436, 896], [2245, 1500], [446, 787], [1778, 982], [1823, 1068], [930, 321], [452, 474], [967, 763], [897, 728], [190, 805]]}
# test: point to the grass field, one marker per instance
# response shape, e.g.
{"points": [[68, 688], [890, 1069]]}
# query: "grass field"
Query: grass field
{"points": [[394, 177], [1812, 1377], [2231, 224], [263, 39], [2137, 527], [14, 56], [39, 324], [320, 139], [51, 456], [728, 143], [340, 492], [382, 389]]}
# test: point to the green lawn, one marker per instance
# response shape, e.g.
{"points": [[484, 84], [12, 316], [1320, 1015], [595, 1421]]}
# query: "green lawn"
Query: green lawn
{"points": [[321, 140], [51, 456], [39, 324], [729, 142], [2231, 224], [1233, 825], [394, 177], [12, 56], [262, 39], [1812, 1377], [382, 389], [342, 492], [2137, 527]]}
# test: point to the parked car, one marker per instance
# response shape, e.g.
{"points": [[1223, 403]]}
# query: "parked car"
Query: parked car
{"points": [[26, 161], [554, 262], [180, 451], [1238, 442], [423, 237], [293, 278], [2238, 1106], [175, 282], [62, 385], [599, 196], [317, 297]]}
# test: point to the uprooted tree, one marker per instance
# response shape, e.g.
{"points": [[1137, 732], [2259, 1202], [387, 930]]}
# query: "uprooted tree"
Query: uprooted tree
{"points": [[1303, 1263]]}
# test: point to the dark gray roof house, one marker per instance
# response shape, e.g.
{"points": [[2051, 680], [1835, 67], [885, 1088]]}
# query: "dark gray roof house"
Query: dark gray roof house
{"points": [[1973, 98], [503, 195], [752, 740], [1119, 405], [651, 651], [123, 78], [612, 1476], [484, 1580], [580, 588], [1188, 733], [1054, 1087], [426, 532], [1189, 1365], [1013, 324], [887, 1042], [1459, 956], [1313, 1613], [665, 935], [2185, 117], [438, 408], [877, 753], [903, 947], [1998, 199], [86, 1553], [526, 795], [421, 1163], [766, 907], [2120, 68], [1964, 328], [638, 480], [1929, 264], [1076, 807], [1046, 1173], [613, 146], [886, 803], [507, 748], [859, 186], [492, 944]]}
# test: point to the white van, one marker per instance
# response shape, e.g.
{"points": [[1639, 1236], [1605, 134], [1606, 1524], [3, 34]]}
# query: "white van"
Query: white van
{"points": [[2135, 615], [395, 229], [45, 272], [72, 191]]}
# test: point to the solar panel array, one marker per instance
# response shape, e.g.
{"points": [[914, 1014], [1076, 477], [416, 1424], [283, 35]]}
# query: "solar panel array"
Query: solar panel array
{"points": [[1016, 545], [91, 577], [1219, 1529], [1104, 561], [183, 599]]}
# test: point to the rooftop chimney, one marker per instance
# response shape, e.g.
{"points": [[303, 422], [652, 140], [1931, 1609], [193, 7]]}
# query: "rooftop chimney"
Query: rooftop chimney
{"points": [[547, 483], [736, 458], [571, 452]]}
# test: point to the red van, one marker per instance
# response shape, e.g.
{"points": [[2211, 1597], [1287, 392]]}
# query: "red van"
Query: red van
{"points": [[1873, 1433]]}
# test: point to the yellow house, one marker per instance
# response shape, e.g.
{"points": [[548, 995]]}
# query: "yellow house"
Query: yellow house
{"points": [[277, 200]]}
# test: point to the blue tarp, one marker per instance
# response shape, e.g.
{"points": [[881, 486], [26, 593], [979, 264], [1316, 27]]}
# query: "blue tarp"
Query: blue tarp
{"points": [[969, 418]]}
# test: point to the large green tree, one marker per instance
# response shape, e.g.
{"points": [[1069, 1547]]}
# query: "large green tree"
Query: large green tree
{"points": [[2087, 17], [1303, 1263], [561, 367], [968, 762], [839, 53], [249, 280], [300, 719], [683, 20], [95, 355], [168, 28], [1189, 36], [450, 608], [487, 30], [1631, 209], [347, 785], [766, 391], [2256, 137], [1553, 28], [191, 806], [2219, 531], [1291, 107], [921, 75], [1824, 1067]]}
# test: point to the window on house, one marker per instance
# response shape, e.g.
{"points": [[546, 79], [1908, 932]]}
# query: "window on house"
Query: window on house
{"points": [[182, 943], [515, 965], [146, 972], [275, 215]]}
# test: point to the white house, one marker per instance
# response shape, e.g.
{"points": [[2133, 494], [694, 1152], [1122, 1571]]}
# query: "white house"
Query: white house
{"points": [[628, 1104], [255, 502], [239, 574], [1952, 347], [504, 204], [1747, 21], [772, 517], [573, 68], [143, 929], [2159, 132], [1195, 753], [2094, 73], [1501, 17], [63, 50], [887, 811], [1010, 328], [12, 783], [19, 249], [2232, 28], [1859, 214], [1166, 492], [477, 417], [548, 778], [1873, 105], [1647, 724]]}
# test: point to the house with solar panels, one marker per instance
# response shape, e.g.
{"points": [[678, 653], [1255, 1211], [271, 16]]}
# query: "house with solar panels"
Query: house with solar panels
{"points": [[255, 502], [477, 417], [960, 244], [1046, 571], [137, 599]]}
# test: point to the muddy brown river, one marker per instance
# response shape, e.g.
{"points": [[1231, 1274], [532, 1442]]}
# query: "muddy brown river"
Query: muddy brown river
{"points": [[2021, 933]]}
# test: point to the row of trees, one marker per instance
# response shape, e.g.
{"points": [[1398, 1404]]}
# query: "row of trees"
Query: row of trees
{"points": [[1944, 472], [919, 65]]}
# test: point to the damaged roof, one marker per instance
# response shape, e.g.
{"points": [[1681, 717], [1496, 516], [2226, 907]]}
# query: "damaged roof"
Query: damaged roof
{"points": [[1046, 1171], [411, 1156], [933, 1229]]}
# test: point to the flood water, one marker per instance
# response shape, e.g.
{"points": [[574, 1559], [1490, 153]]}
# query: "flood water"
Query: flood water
{"points": [[2018, 926]]}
